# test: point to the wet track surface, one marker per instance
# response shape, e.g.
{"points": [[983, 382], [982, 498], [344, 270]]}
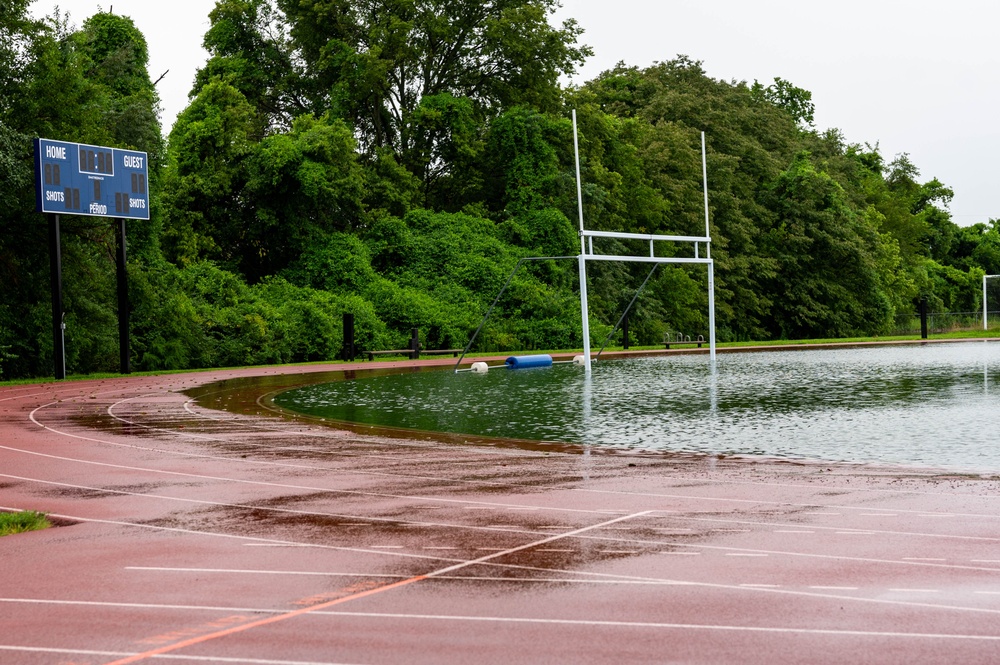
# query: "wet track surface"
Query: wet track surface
{"points": [[201, 535]]}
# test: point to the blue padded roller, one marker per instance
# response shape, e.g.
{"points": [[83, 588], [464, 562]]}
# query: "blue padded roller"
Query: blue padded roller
{"points": [[524, 362]]}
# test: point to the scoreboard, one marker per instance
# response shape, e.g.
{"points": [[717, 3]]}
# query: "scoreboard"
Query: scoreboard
{"points": [[80, 179]]}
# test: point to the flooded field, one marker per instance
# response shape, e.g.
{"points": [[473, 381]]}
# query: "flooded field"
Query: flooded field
{"points": [[934, 405]]}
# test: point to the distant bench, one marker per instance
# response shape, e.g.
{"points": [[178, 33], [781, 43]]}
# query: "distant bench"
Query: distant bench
{"points": [[679, 338]]}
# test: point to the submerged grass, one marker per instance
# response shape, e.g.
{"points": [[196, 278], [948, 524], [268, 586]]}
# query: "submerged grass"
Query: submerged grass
{"points": [[27, 520]]}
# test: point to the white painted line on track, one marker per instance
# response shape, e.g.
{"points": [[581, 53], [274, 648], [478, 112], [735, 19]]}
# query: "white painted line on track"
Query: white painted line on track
{"points": [[856, 533], [831, 632], [834, 529], [174, 657], [584, 622], [525, 620], [761, 586], [460, 578]]}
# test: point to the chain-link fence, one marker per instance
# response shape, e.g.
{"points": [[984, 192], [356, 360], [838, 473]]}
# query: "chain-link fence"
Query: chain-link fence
{"points": [[943, 322]]}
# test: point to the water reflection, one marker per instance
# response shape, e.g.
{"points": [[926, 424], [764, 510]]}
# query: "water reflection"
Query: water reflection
{"points": [[913, 404]]}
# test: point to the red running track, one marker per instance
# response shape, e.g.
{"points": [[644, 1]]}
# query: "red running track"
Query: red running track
{"points": [[198, 535]]}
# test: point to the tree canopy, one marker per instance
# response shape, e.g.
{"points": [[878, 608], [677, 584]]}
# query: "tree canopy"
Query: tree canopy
{"points": [[397, 158]]}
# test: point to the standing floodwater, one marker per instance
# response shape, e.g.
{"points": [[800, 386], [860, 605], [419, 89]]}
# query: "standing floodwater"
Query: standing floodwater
{"points": [[935, 405]]}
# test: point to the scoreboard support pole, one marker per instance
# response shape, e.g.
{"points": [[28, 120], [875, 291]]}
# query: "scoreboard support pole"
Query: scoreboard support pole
{"points": [[123, 308], [58, 325]]}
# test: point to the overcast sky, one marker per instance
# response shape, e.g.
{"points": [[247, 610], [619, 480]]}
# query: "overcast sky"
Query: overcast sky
{"points": [[911, 75]]}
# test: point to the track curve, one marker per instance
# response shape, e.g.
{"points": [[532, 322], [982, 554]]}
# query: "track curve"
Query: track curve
{"points": [[204, 527]]}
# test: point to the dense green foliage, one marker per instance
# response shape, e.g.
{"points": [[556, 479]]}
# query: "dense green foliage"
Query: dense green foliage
{"points": [[396, 159]]}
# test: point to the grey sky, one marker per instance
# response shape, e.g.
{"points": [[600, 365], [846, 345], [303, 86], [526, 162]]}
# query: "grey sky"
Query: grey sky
{"points": [[913, 76]]}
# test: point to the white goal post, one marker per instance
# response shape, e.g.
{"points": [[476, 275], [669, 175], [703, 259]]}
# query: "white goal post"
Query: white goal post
{"points": [[587, 253], [985, 310]]}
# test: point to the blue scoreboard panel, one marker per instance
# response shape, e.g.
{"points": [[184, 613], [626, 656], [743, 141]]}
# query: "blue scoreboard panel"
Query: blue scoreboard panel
{"points": [[79, 179]]}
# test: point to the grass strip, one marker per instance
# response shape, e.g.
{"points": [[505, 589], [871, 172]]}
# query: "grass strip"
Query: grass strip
{"points": [[27, 520]]}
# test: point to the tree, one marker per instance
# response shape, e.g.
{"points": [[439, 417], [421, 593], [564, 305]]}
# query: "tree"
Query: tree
{"points": [[829, 282], [793, 100], [376, 60], [251, 52]]}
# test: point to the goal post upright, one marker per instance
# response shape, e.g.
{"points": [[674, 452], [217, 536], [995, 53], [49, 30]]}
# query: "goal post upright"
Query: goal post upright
{"points": [[708, 254], [587, 252], [985, 308], [584, 309]]}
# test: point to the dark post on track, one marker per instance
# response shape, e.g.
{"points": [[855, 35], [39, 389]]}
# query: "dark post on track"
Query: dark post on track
{"points": [[96, 181]]}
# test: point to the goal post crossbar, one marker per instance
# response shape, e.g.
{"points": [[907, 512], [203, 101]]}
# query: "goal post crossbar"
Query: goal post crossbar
{"points": [[587, 252]]}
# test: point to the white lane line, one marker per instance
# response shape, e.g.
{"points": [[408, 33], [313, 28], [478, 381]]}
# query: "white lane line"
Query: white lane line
{"points": [[680, 626], [856, 533], [252, 571], [618, 552], [462, 578], [566, 622], [174, 657], [837, 529]]}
